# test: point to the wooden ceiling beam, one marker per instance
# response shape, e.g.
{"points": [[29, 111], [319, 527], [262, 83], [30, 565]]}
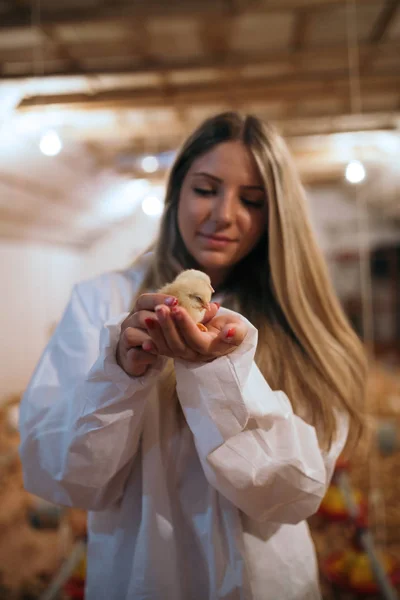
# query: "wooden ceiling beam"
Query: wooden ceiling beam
{"points": [[383, 21], [318, 85], [21, 16], [62, 49], [300, 30], [237, 61], [378, 32]]}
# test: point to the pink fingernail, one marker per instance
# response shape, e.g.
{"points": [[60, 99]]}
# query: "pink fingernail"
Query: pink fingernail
{"points": [[147, 346], [217, 305], [231, 332], [171, 301]]}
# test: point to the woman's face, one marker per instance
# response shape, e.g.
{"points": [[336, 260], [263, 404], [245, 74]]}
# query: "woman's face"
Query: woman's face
{"points": [[222, 210]]}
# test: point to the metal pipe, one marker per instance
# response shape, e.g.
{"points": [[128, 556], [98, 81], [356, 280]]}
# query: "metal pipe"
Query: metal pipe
{"points": [[366, 541], [67, 568]]}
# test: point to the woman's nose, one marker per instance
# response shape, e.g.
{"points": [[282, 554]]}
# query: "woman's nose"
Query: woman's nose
{"points": [[224, 207]]}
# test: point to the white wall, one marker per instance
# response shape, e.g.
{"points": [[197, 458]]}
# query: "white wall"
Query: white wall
{"points": [[36, 283], [124, 242], [336, 222]]}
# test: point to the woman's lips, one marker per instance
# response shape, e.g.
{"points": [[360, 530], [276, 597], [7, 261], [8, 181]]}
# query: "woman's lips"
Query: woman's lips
{"points": [[217, 241]]}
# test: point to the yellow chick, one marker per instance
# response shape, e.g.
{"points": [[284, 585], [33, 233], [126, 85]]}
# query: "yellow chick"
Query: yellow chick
{"points": [[193, 291]]}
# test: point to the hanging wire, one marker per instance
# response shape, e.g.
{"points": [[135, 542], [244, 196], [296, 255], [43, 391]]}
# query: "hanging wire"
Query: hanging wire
{"points": [[362, 213], [376, 503], [38, 53]]}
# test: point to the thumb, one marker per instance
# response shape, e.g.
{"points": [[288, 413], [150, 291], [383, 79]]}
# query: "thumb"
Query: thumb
{"points": [[211, 312]]}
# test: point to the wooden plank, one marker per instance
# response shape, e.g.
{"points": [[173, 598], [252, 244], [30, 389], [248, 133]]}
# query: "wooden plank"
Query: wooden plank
{"points": [[383, 21], [237, 61], [378, 32], [300, 30], [282, 88], [21, 16]]}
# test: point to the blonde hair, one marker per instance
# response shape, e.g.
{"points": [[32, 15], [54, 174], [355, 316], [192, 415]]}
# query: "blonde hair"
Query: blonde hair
{"points": [[306, 346]]}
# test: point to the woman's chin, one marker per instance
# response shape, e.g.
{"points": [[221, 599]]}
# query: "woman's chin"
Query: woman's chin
{"points": [[214, 260]]}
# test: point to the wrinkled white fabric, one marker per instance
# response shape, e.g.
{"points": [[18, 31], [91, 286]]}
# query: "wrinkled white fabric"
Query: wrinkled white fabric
{"points": [[211, 509]]}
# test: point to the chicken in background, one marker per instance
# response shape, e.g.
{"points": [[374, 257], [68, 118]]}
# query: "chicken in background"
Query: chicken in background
{"points": [[193, 290]]}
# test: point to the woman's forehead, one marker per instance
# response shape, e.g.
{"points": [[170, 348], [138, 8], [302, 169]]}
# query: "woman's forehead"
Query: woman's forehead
{"points": [[228, 160]]}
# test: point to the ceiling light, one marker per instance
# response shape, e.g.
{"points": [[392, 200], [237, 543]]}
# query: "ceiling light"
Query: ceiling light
{"points": [[150, 164], [152, 206], [50, 143], [355, 172]]}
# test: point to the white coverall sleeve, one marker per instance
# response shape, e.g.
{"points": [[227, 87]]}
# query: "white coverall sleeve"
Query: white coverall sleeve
{"points": [[254, 450], [81, 415]]}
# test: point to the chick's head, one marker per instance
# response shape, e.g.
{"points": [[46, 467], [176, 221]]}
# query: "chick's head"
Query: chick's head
{"points": [[195, 289]]}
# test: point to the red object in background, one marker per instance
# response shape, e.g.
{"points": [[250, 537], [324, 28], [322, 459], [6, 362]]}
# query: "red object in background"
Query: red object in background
{"points": [[333, 506], [350, 571], [342, 464], [75, 588]]}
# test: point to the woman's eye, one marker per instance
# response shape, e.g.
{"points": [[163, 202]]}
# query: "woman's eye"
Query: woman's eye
{"points": [[203, 191], [253, 203]]}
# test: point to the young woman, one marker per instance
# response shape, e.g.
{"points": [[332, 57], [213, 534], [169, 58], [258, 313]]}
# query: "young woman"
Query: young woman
{"points": [[203, 493]]}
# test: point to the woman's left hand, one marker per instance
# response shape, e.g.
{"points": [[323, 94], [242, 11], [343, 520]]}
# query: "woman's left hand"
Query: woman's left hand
{"points": [[175, 334]]}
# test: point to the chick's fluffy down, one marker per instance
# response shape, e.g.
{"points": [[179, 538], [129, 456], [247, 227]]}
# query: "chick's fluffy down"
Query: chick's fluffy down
{"points": [[193, 291]]}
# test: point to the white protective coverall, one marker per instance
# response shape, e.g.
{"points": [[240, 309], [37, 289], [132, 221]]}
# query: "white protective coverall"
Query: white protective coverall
{"points": [[211, 509]]}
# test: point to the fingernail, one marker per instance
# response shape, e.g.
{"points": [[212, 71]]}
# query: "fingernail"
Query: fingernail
{"points": [[150, 323], [171, 301], [217, 305], [147, 346], [230, 333], [176, 313]]}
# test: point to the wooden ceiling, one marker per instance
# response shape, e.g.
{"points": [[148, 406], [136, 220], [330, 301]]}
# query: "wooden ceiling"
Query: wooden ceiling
{"points": [[127, 77]]}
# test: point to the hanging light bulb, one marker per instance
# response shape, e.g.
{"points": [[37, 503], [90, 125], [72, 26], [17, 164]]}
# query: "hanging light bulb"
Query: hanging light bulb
{"points": [[50, 143], [150, 164], [355, 172], [152, 206]]}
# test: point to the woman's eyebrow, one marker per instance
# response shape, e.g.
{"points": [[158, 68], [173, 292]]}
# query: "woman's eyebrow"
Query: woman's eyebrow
{"points": [[254, 187], [209, 175], [247, 187]]}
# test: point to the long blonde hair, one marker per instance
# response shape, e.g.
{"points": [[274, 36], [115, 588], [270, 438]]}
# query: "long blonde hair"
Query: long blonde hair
{"points": [[306, 346]]}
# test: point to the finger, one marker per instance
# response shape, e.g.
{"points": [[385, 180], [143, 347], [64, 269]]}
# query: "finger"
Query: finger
{"points": [[195, 339], [139, 319], [132, 337], [210, 314], [232, 334], [150, 301], [138, 362], [172, 336], [157, 336], [136, 356]]}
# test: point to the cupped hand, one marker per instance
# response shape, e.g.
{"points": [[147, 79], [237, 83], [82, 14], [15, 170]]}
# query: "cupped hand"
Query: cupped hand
{"points": [[130, 354], [173, 333]]}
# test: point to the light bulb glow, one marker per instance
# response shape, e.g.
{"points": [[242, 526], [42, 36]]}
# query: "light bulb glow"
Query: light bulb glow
{"points": [[50, 143], [355, 172], [150, 164], [152, 206]]}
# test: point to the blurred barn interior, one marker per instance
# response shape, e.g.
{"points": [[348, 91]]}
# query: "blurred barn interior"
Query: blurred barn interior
{"points": [[95, 98]]}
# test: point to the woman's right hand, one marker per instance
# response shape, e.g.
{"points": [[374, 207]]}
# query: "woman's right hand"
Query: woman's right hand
{"points": [[130, 355]]}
